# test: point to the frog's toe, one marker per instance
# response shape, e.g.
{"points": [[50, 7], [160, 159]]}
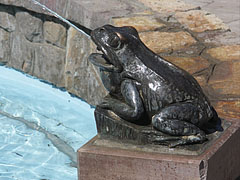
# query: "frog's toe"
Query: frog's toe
{"points": [[165, 140], [104, 105], [198, 138]]}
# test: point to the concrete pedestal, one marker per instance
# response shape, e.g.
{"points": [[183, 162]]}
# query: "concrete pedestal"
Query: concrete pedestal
{"points": [[108, 160]]}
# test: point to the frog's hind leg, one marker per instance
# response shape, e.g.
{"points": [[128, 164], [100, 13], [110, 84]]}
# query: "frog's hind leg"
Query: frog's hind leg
{"points": [[180, 120]]}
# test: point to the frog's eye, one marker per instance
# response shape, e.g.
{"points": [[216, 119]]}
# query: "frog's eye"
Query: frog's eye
{"points": [[115, 42]]}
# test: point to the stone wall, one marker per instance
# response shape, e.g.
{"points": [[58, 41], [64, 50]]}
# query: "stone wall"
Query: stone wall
{"points": [[191, 38], [44, 47]]}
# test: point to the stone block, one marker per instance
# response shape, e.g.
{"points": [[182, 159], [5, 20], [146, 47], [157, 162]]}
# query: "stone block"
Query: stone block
{"points": [[141, 23], [93, 14], [228, 109], [225, 78], [190, 64], [81, 77], [5, 50], [196, 66], [41, 60], [160, 42], [49, 64], [21, 52], [104, 161], [167, 6], [30, 26], [225, 53], [55, 33], [202, 80], [218, 38], [59, 6], [200, 21], [7, 19]]}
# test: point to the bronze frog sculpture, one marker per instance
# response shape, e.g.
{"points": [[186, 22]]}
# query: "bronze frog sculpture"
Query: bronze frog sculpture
{"points": [[145, 88]]}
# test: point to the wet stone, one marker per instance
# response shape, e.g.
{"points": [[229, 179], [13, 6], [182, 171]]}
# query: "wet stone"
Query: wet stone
{"points": [[141, 23], [160, 42], [200, 21], [225, 53]]}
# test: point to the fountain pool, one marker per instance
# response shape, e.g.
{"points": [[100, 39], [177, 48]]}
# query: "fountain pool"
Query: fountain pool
{"points": [[41, 128]]}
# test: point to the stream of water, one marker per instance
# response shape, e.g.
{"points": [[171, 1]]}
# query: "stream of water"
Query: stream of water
{"points": [[62, 19]]}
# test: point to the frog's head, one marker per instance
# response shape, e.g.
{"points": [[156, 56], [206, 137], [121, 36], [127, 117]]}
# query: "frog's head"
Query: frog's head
{"points": [[116, 43]]}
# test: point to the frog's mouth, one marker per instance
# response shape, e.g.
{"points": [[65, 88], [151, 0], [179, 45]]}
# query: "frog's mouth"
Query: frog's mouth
{"points": [[102, 60]]}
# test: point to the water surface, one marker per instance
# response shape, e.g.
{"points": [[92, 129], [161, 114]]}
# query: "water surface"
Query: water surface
{"points": [[41, 128]]}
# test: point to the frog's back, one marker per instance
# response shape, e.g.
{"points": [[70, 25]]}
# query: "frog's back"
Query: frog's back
{"points": [[175, 78]]}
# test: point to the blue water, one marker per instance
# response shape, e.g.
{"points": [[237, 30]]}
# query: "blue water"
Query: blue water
{"points": [[41, 128]]}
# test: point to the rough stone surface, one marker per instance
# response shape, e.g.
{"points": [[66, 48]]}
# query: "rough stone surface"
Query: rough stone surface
{"points": [[49, 64], [228, 12], [228, 108], [199, 21], [58, 6], [141, 23], [20, 51], [218, 38], [225, 79], [225, 53], [167, 41], [190, 64], [55, 34], [7, 19], [4, 46], [196, 66], [93, 14], [167, 6], [201, 79], [41, 60], [81, 77], [30, 26]]}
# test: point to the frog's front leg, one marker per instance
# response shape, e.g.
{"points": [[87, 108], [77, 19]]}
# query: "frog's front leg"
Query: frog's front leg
{"points": [[131, 107], [180, 120]]}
